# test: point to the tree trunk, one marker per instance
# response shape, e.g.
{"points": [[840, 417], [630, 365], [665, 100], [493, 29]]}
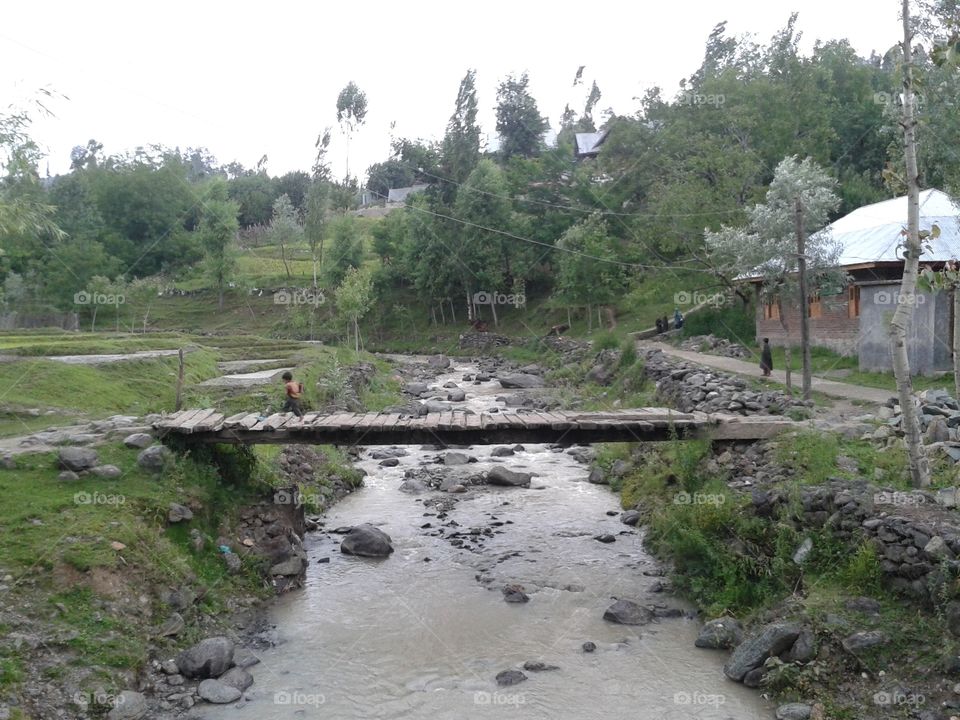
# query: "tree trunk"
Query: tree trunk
{"points": [[220, 298], [433, 316], [493, 309], [956, 342], [314, 271], [179, 394], [356, 335], [93, 320], [569, 321], [283, 258], [903, 316], [786, 344], [804, 315], [589, 318], [443, 315], [453, 313]]}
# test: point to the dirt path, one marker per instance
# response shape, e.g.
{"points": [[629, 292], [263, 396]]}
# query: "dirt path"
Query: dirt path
{"points": [[831, 388]]}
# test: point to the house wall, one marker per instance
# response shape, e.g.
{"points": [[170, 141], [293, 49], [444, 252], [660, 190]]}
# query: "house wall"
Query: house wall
{"points": [[834, 331], [928, 335]]}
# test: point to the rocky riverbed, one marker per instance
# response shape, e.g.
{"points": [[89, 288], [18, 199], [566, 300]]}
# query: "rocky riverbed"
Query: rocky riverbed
{"points": [[459, 581]]}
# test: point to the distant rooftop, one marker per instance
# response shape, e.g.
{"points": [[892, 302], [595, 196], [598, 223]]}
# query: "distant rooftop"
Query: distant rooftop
{"points": [[588, 144], [399, 195]]}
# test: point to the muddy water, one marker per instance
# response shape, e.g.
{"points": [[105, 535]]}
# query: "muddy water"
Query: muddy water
{"points": [[423, 633]]}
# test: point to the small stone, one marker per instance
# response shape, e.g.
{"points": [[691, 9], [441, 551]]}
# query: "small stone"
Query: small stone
{"points": [[506, 678], [128, 705], [68, 476], [179, 513], [214, 691], [589, 647], [794, 711], [515, 594], [109, 472], [138, 440]]}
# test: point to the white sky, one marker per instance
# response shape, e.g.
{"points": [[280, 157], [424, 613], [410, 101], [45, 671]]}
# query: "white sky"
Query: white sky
{"points": [[245, 79]]}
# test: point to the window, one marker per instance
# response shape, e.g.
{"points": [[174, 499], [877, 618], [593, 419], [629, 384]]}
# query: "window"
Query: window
{"points": [[814, 306], [853, 301], [771, 311]]}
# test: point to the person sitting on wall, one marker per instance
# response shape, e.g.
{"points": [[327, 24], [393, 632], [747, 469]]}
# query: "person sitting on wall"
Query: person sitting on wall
{"points": [[677, 318]]}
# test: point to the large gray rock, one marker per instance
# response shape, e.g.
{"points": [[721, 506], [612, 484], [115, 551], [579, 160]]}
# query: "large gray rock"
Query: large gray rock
{"points": [[214, 691], [154, 458], [138, 440], [236, 677], [794, 711], [804, 649], [179, 513], [627, 612], [499, 475], [108, 472], [597, 477], [502, 452], [521, 380], [772, 640], [438, 361], [720, 634], [865, 640], [415, 388], [77, 459], [630, 517], [367, 541], [455, 458], [506, 678], [209, 658], [129, 705], [456, 395]]}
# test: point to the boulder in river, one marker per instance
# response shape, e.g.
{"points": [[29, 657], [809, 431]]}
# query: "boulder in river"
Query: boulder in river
{"points": [[237, 677], [597, 477], [521, 381], [214, 691], [209, 658], [499, 475], [415, 388], [455, 458], [720, 634], [627, 612], [630, 517], [456, 395], [771, 640], [589, 646], [438, 361], [537, 666], [367, 541], [501, 452], [510, 677], [515, 594]]}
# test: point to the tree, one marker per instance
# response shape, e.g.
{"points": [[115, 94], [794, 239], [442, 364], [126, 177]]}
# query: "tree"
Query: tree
{"points": [[284, 229], [903, 315], [392, 173], [351, 112], [355, 298], [588, 271], [296, 186], [767, 246], [346, 249], [519, 122], [218, 233], [460, 149], [315, 222], [256, 193]]}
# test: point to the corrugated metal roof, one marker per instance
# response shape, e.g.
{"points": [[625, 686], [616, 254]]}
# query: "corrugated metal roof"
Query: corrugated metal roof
{"points": [[589, 143], [873, 233], [399, 195]]}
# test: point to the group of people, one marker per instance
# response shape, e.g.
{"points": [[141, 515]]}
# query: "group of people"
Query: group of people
{"points": [[663, 324]]}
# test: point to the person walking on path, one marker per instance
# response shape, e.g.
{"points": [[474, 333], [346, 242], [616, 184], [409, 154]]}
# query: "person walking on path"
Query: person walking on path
{"points": [[294, 391], [766, 358]]}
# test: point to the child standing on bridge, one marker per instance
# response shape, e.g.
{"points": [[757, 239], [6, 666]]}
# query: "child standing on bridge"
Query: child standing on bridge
{"points": [[294, 391]]}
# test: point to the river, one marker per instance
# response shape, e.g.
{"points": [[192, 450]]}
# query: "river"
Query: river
{"points": [[423, 633]]}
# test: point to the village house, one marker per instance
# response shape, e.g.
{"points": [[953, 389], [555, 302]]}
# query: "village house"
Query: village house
{"points": [[855, 320]]}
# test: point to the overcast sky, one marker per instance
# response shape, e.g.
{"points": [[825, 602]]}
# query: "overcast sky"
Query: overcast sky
{"points": [[247, 79]]}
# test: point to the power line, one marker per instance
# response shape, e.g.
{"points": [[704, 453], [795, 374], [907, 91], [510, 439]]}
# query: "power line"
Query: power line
{"points": [[544, 244]]}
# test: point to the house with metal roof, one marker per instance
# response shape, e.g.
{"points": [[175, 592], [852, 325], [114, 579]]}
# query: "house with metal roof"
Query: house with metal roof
{"points": [[855, 320], [399, 195], [587, 145]]}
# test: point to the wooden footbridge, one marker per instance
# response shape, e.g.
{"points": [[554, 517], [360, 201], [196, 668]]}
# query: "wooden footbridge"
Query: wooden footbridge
{"points": [[461, 428]]}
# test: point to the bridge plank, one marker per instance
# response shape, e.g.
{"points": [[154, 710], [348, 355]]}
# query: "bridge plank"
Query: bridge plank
{"points": [[212, 423], [431, 421], [233, 420], [192, 422], [472, 422], [249, 421], [177, 419]]}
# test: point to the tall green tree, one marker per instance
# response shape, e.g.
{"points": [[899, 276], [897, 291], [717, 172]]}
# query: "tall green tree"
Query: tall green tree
{"points": [[351, 113], [355, 298], [284, 230], [218, 233], [346, 248], [460, 149], [519, 122]]}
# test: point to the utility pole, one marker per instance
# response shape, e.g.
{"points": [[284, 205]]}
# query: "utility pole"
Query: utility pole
{"points": [[804, 311]]}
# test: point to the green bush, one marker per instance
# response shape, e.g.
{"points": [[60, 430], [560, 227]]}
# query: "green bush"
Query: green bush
{"points": [[628, 353], [733, 322], [605, 341]]}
